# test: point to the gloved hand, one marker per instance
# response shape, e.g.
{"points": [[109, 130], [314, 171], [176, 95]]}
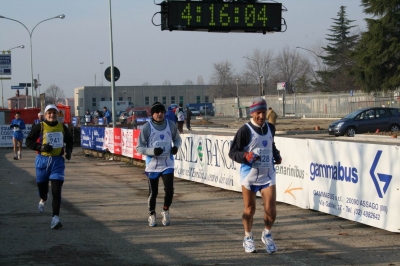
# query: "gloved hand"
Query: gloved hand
{"points": [[158, 151], [277, 157], [174, 150], [250, 156], [68, 155], [12, 126], [46, 147]]}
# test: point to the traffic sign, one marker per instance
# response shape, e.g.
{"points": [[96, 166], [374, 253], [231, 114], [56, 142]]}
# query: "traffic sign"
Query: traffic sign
{"points": [[17, 88], [25, 84], [5, 64], [107, 74]]}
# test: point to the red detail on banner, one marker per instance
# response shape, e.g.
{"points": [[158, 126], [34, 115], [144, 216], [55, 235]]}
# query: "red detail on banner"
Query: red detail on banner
{"points": [[117, 141], [136, 133]]}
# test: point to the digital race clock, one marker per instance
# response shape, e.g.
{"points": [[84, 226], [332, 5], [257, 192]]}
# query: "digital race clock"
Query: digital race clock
{"points": [[221, 16]]}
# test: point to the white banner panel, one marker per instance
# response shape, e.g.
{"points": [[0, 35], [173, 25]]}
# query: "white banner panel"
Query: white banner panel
{"points": [[356, 181], [291, 181], [6, 135], [204, 159], [109, 139], [127, 142]]}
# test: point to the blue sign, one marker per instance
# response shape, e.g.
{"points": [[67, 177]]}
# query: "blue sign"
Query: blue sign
{"points": [[384, 178], [75, 121], [17, 88]]}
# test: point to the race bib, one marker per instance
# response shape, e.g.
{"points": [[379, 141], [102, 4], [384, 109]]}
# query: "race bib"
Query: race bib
{"points": [[55, 139], [265, 159], [165, 145]]}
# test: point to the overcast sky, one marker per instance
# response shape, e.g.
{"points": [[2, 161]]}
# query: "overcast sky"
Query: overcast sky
{"points": [[67, 52]]}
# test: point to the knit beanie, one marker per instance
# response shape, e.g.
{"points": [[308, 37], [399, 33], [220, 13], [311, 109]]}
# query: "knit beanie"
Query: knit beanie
{"points": [[258, 104], [157, 107]]}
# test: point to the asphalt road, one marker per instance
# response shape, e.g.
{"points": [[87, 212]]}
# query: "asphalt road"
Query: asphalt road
{"points": [[105, 223]]}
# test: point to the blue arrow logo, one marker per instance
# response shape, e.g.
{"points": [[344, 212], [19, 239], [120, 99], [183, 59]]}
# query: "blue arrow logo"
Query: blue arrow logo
{"points": [[382, 177]]}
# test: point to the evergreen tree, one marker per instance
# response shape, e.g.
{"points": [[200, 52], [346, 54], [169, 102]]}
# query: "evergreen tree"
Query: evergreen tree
{"points": [[338, 56], [378, 51]]}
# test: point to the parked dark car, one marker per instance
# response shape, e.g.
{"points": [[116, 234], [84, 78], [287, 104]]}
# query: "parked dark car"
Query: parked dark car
{"points": [[205, 110], [366, 120]]}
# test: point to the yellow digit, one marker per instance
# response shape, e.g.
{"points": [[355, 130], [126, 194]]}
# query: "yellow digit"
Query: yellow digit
{"points": [[249, 15], [224, 15], [198, 10], [263, 15], [186, 14], [212, 23], [236, 17]]}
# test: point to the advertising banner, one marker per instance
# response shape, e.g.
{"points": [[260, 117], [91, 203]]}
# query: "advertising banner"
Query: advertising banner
{"points": [[117, 141], [291, 186], [98, 138], [136, 155], [6, 134], [356, 181], [109, 139], [87, 141], [127, 142]]}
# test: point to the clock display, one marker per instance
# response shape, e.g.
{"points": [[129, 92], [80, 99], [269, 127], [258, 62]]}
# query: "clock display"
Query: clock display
{"points": [[221, 16]]}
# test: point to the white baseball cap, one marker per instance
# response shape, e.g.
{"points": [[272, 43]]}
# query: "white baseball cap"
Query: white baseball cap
{"points": [[50, 106]]}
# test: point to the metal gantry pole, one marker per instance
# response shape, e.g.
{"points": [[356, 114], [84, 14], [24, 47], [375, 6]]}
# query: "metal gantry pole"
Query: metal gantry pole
{"points": [[112, 70]]}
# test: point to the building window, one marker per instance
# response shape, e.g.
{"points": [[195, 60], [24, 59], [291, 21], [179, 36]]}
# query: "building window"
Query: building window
{"points": [[198, 99], [155, 99], [146, 100], [120, 99], [172, 99], [102, 99], [129, 99], [181, 99], [94, 103], [164, 100], [206, 100], [110, 99]]}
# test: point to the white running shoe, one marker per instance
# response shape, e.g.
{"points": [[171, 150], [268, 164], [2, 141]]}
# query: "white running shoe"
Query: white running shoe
{"points": [[269, 242], [42, 205], [166, 219], [152, 220], [55, 222], [248, 244]]}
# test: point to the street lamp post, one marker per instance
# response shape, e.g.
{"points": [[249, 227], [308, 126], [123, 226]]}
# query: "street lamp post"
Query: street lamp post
{"points": [[30, 39], [101, 73], [237, 92], [1, 80], [261, 85]]}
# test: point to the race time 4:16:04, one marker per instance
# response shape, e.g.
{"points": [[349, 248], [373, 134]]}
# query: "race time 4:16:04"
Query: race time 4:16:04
{"points": [[221, 16]]}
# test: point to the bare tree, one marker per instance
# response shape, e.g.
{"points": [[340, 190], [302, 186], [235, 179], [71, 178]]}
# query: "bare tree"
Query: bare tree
{"points": [[223, 79], [259, 64], [166, 82], [290, 66], [188, 82], [200, 80], [54, 94]]}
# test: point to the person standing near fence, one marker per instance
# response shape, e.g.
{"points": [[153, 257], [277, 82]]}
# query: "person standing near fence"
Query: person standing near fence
{"points": [[17, 125], [188, 118], [254, 148], [180, 116], [271, 116], [48, 138], [159, 140]]}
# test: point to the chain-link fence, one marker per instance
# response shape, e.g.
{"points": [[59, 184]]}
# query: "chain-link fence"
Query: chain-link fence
{"points": [[308, 105]]}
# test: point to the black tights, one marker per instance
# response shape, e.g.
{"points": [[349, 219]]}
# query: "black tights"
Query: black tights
{"points": [[168, 181], [55, 191]]}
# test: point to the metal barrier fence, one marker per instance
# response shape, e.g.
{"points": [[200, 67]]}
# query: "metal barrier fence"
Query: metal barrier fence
{"points": [[307, 105]]}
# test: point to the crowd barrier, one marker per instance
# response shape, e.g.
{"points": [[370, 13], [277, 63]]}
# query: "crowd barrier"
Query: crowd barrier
{"points": [[355, 181], [6, 134]]}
